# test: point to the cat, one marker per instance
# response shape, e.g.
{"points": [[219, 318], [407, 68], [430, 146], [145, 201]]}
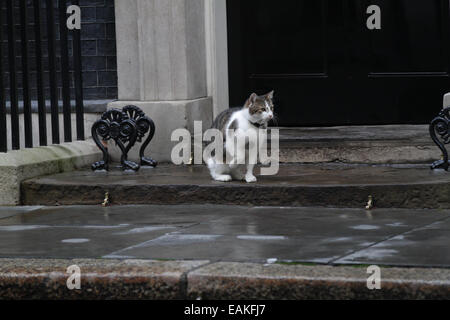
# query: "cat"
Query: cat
{"points": [[254, 115]]}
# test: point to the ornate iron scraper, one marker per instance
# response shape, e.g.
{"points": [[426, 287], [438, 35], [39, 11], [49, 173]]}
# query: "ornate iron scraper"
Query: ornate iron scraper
{"points": [[125, 127], [440, 126]]}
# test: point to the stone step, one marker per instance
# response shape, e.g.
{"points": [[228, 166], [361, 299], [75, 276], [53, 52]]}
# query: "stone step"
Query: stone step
{"points": [[358, 144], [164, 280], [327, 185]]}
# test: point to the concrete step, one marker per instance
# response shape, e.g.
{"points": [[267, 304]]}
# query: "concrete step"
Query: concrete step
{"points": [[358, 144], [327, 185], [201, 280]]}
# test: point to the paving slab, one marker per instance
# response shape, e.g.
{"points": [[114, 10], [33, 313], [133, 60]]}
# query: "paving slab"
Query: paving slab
{"points": [[6, 212], [91, 231], [330, 185], [300, 234], [230, 233], [430, 243], [116, 215], [256, 248]]}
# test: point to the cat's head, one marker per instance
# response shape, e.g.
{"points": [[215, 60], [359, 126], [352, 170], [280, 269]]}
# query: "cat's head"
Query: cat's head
{"points": [[260, 108]]}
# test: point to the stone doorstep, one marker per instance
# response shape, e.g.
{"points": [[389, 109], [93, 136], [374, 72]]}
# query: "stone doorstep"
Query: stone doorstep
{"points": [[166, 280], [357, 152], [358, 144], [327, 185], [390, 144]]}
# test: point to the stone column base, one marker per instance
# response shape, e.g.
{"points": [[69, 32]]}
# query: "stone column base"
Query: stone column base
{"points": [[168, 116]]}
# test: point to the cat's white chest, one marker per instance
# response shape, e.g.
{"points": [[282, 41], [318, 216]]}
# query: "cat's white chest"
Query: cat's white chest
{"points": [[242, 121]]}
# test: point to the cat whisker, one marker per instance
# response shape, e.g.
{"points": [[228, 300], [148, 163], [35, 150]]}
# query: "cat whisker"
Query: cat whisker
{"points": [[275, 120]]}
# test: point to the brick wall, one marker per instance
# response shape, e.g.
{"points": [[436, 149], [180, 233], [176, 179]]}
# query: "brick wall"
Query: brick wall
{"points": [[98, 49]]}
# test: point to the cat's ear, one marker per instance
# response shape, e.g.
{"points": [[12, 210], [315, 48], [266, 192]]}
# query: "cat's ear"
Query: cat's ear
{"points": [[251, 100], [270, 95]]}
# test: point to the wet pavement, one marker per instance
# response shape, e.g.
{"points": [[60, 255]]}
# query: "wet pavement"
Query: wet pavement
{"points": [[398, 237]]}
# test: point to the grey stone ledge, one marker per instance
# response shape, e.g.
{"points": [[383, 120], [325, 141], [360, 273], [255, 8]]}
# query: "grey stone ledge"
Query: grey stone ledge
{"points": [[18, 165], [154, 279], [100, 279], [228, 280]]}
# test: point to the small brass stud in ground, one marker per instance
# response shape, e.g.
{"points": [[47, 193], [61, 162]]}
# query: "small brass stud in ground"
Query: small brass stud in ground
{"points": [[369, 205], [106, 201]]}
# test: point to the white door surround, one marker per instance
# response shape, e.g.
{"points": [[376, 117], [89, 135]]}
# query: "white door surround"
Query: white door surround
{"points": [[217, 53]]}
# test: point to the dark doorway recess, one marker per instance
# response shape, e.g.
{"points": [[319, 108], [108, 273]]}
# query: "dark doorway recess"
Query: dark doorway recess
{"points": [[328, 68]]}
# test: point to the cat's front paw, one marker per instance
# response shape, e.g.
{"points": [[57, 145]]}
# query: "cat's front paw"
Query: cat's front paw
{"points": [[249, 178]]}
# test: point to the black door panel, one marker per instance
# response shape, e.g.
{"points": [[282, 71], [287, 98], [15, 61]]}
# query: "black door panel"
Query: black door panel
{"points": [[328, 68]]}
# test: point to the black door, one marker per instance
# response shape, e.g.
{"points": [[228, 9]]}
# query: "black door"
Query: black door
{"points": [[328, 68]]}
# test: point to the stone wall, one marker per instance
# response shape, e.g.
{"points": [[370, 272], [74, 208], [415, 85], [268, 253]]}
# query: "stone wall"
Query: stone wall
{"points": [[162, 67]]}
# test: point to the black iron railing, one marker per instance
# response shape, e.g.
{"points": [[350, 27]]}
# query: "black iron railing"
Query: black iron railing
{"points": [[36, 19]]}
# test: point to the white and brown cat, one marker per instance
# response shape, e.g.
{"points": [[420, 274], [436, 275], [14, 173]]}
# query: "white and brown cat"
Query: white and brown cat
{"points": [[254, 115]]}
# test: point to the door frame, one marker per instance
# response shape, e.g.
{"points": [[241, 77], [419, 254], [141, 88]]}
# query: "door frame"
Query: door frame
{"points": [[217, 54]]}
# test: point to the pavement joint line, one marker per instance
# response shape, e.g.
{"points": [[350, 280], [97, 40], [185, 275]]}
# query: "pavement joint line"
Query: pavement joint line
{"points": [[386, 239], [19, 211], [184, 282], [138, 245], [168, 233]]}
